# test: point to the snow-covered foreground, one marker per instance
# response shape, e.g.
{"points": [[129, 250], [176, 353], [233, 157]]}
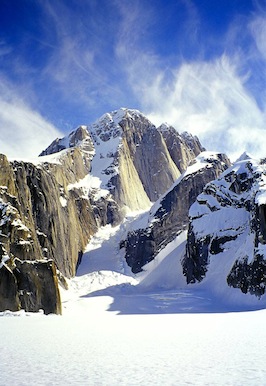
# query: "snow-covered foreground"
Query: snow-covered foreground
{"points": [[117, 329], [91, 346]]}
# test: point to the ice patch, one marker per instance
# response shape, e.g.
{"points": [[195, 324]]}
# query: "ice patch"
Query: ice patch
{"points": [[90, 185]]}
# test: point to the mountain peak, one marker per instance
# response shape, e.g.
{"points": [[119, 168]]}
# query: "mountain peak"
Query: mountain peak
{"points": [[116, 116], [106, 127], [244, 156], [78, 137]]}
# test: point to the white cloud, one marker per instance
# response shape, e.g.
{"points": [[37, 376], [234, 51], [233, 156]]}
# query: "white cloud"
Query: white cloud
{"points": [[80, 63], [24, 133], [208, 98], [257, 28]]}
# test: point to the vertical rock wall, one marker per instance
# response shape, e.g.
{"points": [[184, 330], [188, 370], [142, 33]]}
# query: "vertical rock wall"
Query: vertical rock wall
{"points": [[148, 151]]}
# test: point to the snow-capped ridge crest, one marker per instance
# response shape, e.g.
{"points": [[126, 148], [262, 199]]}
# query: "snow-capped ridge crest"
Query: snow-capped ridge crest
{"points": [[116, 116], [244, 156], [109, 126], [204, 160], [165, 127], [79, 137]]}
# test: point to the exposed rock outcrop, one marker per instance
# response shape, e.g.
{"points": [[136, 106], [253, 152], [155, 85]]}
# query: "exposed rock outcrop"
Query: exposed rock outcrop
{"points": [[130, 158], [169, 215], [227, 229], [9, 299], [59, 221], [77, 138], [183, 147], [154, 165], [136, 165], [29, 285], [41, 219]]}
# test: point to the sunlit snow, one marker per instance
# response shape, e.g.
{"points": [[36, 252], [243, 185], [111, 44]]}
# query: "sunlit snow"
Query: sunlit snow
{"points": [[148, 329]]}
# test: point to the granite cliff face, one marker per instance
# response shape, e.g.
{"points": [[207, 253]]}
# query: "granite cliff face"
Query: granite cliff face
{"points": [[52, 206], [183, 147], [41, 219], [231, 250], [29, 285]]}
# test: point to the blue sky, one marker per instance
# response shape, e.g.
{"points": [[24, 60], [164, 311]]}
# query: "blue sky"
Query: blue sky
{"points": [[197, 64]]}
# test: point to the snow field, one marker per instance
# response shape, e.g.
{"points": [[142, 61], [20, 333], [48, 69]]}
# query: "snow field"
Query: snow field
{"points": [[100, 348], [114, 331]]}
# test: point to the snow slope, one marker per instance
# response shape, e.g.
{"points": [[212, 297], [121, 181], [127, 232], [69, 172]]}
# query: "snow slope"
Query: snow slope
{"points": [[116, 331]]}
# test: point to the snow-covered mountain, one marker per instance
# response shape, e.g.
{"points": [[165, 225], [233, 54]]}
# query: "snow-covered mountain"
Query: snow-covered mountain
{"points": [[130, 157], [129, 206], [232, 251], [168, 216]]}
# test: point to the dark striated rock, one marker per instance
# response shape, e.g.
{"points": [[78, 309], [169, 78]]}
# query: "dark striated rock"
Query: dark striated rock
{"points": [[235, 207], [217, 244], [140, 246], [171, 217], [9, 299], [106, 211], [38, 286], [29, 285], [249, 277], [195, 267]]}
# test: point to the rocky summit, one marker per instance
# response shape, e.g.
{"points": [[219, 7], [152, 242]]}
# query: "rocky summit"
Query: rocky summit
{"points": [[102, 173]]}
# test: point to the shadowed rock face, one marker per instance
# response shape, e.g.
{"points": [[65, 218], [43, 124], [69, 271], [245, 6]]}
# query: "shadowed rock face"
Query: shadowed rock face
{"points": [[9, 299], [38, 286], [171, 217], [249, 277], [183, 147], [234, 205], [29, 285]]}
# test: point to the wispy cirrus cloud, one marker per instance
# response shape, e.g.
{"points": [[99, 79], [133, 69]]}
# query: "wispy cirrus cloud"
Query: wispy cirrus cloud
{"points": [[209, 99], [216, 98], [81, 63], [257, 28], [24, 133]]}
